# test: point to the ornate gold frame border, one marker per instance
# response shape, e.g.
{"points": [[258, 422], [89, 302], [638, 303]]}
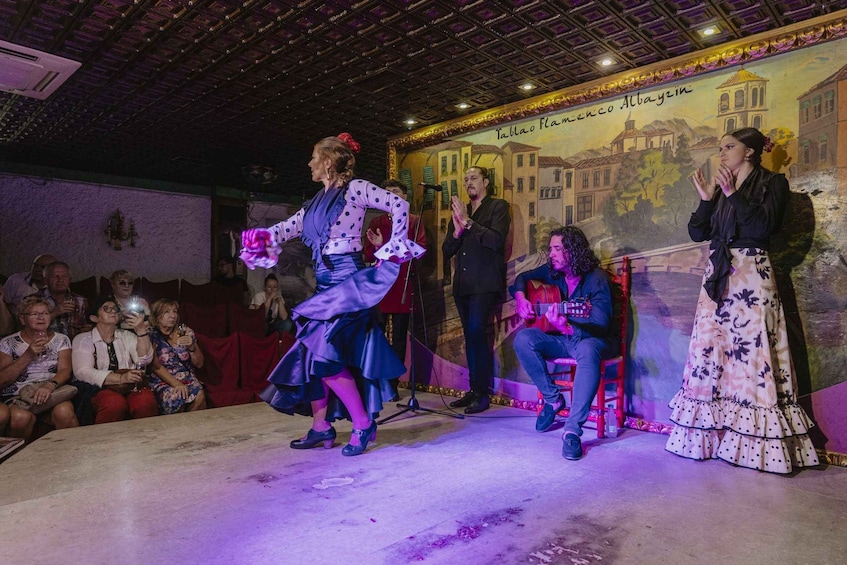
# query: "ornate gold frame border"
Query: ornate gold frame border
{"points": [[789, 38]]}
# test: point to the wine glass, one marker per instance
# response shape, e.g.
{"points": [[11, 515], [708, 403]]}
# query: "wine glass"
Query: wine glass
{"points": [[139, 366], [42, 335]]}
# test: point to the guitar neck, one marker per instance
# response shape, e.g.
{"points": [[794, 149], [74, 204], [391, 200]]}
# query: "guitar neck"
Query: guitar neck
{"points": [[564, 308]]}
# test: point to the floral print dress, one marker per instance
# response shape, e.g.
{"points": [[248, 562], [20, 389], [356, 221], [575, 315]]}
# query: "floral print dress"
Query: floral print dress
{"points": [[177, 361]]}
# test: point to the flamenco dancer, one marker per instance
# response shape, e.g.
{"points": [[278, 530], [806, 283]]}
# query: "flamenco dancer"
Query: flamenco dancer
{"points": [[341, 364], [738, 400]]}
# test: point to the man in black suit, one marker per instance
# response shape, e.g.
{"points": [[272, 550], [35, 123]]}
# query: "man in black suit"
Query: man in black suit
{"points": [[476, 236]]}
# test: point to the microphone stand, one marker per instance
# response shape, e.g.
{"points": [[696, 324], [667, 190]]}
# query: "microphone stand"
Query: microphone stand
{"points": [[413, 405]]}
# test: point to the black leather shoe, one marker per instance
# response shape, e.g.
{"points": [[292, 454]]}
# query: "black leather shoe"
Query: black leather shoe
{"points": [[465, 401], [548, 415], [313, 438], [571, 447], [479, 404]]}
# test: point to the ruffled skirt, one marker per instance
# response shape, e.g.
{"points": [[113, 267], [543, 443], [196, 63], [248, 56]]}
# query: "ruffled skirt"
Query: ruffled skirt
{"points": [[738, 401], [338, 327]]}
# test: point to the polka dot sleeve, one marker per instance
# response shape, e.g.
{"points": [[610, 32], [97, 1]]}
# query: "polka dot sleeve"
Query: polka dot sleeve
{"points": [[288, 229], [367, 195]]}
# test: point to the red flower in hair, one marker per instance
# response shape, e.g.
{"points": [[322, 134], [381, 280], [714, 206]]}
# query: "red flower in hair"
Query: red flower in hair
{"points": [[768, 144], [351, 143]]}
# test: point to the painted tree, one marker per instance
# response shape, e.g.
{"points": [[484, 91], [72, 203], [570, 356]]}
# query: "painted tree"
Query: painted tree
{"points": [[542, 233], [654, 175], [778, 157]]}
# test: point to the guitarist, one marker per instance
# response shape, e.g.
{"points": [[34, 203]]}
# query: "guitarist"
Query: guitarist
{"points": [[574, 269]]}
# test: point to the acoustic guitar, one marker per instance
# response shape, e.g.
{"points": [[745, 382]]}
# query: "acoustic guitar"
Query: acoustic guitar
{"points": [[542, 296]]}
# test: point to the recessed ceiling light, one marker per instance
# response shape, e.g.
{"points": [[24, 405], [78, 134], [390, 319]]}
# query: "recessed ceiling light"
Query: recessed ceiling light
{"points": [[463, 105], [527, 86], [709, 31], [607, 62], [410, 122]]}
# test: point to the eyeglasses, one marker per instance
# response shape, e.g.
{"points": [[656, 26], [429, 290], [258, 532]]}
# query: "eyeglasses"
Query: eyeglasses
{"points": [[111, 309], [125, 283], [38, 314]]}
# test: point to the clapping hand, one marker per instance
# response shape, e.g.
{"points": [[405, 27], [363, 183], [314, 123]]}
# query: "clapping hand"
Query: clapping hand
{"points": [[460, 215], [726, 180], [704, 189], [375, 237]]}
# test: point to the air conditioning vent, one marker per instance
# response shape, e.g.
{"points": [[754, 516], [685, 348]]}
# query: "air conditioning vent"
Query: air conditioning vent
{"points": [[32, 73]]}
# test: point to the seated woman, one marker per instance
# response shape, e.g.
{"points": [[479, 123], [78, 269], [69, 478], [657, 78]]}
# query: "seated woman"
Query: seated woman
{"points": [[39, 357], [176, 358], [276, 314], [122, 286], [113, 360]]}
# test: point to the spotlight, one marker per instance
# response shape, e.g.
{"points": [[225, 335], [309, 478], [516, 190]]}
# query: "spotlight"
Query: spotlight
{"points": [[463, 105], [527, 86]]}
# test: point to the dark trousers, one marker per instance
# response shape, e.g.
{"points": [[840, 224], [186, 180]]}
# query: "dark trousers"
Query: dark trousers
{"points": [[475, 313]]}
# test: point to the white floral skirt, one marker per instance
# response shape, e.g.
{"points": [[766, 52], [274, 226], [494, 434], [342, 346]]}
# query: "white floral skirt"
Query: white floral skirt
{"points": [[738, 400]]}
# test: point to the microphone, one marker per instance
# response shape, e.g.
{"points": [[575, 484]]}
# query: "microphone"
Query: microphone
{"points": [[437, 187]]}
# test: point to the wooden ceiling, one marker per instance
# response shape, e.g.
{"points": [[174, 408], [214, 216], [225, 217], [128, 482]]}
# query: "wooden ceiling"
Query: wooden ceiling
{"points": [[216, 92]]}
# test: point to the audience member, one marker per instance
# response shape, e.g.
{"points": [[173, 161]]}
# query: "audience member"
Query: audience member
{"points": [[7, 322], [5, 418], [574, 269], [34, 363], [176, 358], [67, 310], [276, 314], [397, 304], [476, 236], [115, 360], [122, 283], [21, 285]]}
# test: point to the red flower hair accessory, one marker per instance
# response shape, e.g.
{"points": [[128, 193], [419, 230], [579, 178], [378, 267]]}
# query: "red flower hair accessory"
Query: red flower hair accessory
{"points": [[351, 143], [768, 144]]}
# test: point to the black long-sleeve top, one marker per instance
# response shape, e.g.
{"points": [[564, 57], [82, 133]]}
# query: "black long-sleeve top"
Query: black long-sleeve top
{"points": [[747, 218], [481, 250]]}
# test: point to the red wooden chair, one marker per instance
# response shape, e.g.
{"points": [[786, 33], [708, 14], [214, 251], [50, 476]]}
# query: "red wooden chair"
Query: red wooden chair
{"points": [[564, 377], [209, 320], [259, 356], [221, 371], [247, 321]]}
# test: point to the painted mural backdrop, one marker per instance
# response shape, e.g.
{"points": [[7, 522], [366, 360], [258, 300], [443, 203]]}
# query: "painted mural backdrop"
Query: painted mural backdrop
{"points": [[618, 168]]}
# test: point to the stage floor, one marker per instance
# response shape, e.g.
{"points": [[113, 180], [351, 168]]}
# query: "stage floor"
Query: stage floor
{"points": [[222, 487]]}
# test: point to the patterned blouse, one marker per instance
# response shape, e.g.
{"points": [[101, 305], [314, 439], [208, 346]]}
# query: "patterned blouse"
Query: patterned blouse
{"points": [[345, 235], [42, 368]]}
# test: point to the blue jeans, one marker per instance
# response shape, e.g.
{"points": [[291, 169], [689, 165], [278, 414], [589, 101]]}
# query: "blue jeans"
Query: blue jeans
{"points": [[475, 313], [533, 347]]}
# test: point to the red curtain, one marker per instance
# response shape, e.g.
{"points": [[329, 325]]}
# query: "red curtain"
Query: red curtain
{"points": [[209, 320], [259, 356], [249, 322]]}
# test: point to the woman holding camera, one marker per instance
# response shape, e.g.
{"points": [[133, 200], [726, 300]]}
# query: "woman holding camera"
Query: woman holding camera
{"points": [[122, 282], [175, 361]]}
